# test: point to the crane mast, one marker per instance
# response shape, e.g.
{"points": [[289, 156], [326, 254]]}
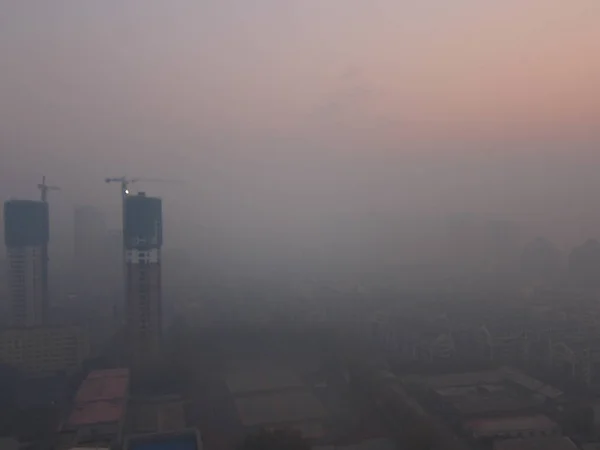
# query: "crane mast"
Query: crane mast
{"points": [[44, 189]]}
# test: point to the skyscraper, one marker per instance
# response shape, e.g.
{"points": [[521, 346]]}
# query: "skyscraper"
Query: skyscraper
{"points": [[143, 242], [26, 235]]}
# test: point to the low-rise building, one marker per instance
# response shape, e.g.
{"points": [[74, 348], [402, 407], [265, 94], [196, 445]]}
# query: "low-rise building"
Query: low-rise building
{"points": [[533, 426], [99, 409], [44, 350], [275, 397]]}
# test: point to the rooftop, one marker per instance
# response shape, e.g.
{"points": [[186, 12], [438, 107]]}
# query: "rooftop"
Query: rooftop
{"points": [[481, 399], [103, 385], [506, 425], [282, 407], [185, 440], [102, 411], [494, 377], [101, 398], [541, 443], [524, 380]]}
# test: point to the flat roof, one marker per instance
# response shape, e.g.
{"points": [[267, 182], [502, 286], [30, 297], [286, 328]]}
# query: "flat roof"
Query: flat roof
{"points": [[280, 407], [258, 378], [502, 376], [502, 425], [479, 399], [102, 411], [516, 376], [465, 379], [103, 385], [541, 443]]}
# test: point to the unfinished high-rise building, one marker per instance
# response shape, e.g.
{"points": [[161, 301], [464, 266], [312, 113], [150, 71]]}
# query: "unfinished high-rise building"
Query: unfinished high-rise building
{"points": [[143, 241], [26, 235]]}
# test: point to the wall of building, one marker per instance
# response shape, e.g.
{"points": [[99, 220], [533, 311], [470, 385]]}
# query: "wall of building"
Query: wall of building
{"points": [[26, 235], [42, 351], [143, 241], [144, 315], [26, 223], [26, 279]]}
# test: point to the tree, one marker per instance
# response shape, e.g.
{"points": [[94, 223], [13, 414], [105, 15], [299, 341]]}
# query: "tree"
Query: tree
{"points": [[275, 440]]}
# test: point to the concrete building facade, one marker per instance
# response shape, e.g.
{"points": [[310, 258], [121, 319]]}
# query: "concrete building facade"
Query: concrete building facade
{"points": [[26, 235], [143, 242], [44, 350]]}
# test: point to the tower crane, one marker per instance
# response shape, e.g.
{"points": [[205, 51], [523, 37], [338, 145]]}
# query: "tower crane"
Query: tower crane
{"points": [[125, 182], [44, 189]]}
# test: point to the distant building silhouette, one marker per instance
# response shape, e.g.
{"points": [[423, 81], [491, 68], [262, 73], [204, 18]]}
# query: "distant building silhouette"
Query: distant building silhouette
{"points": [[540, 260], [501, 244], [90, 236], [584, 264], [114, 273], [463, 241]]}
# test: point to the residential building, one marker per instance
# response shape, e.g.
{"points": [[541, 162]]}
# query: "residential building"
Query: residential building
{"points": [[26, 235], [44, 350], [143, 242], [99, 410]]}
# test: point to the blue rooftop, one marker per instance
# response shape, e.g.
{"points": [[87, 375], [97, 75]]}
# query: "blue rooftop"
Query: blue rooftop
{"points": [[185, 441]]}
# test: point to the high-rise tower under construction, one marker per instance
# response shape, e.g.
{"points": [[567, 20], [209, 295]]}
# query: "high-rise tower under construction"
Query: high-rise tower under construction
{"points": [[26, 235], [143, 241]]}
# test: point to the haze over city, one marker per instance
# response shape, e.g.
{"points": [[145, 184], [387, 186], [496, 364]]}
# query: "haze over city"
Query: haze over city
{"points": [[370, 200], [278, 115]]}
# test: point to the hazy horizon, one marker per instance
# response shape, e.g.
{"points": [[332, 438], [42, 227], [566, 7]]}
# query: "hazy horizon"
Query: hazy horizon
{"points": [[282, 117]]}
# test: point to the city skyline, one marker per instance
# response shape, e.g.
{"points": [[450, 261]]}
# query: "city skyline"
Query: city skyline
{"points": [[277, 115]]}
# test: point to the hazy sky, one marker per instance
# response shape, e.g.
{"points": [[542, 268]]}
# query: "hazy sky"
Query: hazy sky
{"points": [[277, 112]]}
